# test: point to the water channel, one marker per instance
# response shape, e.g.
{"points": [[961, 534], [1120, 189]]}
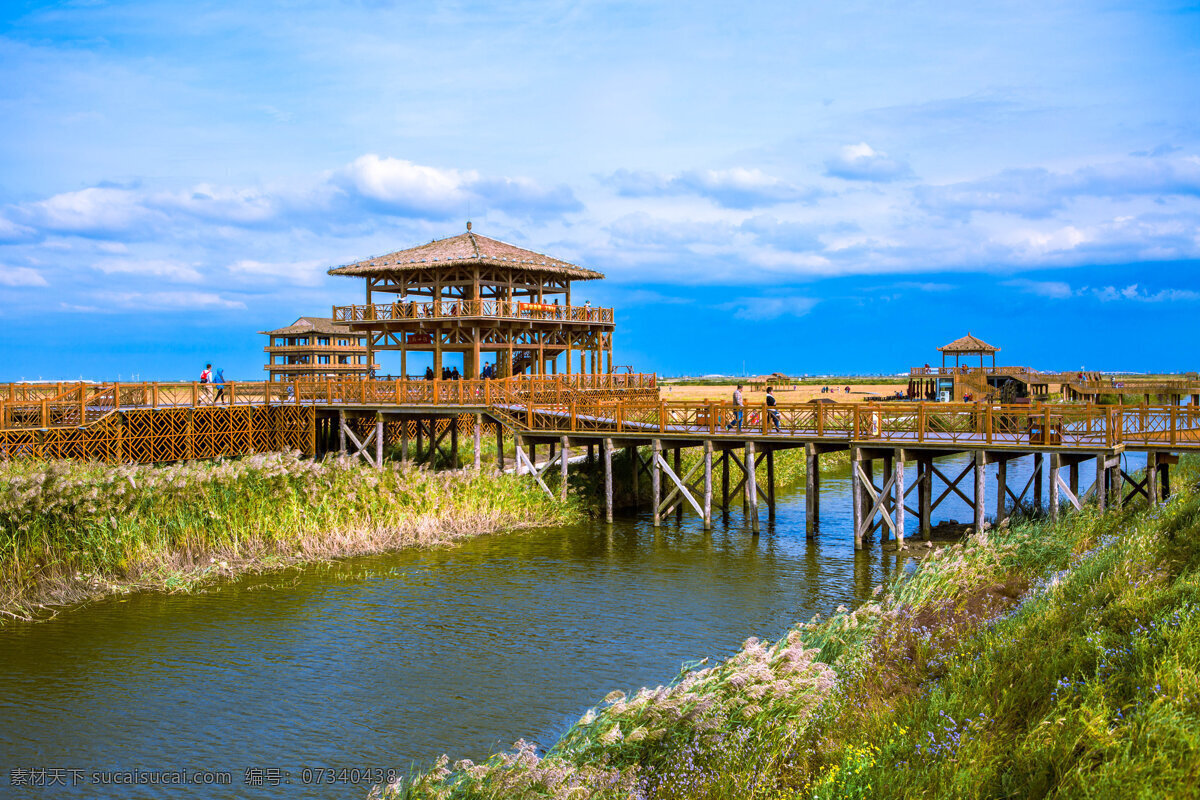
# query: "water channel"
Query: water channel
{"points": [[391, 660]]}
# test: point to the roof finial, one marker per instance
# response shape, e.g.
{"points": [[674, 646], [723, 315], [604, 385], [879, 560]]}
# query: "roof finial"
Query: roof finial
{"points": [[468, 226]]}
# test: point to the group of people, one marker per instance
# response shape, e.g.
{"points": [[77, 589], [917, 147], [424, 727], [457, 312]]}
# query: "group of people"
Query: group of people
{"points": [[739, 409], [487, 373], [831, 390], [207, 378]]}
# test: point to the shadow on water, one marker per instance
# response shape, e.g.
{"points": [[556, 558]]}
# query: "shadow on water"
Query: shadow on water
{"points": [[383, 661]]}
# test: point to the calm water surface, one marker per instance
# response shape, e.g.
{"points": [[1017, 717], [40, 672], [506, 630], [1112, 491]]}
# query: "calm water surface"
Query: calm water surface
{"points": [[387, 661]]}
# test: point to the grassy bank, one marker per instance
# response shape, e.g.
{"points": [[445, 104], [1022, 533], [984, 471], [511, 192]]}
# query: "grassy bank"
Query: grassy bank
{"points": [[69, 530], [1042, 660]]}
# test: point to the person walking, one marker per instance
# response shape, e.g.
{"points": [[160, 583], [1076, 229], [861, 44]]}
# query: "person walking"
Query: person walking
{"points": [[739, 406], [219, 380], [771, 412], [205, 380]]}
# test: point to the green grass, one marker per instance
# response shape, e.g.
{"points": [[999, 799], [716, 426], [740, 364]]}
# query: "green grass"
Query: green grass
{"points": [[69, 529], [1046, 660]]}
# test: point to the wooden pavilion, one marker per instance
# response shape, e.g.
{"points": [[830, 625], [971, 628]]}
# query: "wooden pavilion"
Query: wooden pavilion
{"points": [[473, 295], [968, 346], [315, 347]]}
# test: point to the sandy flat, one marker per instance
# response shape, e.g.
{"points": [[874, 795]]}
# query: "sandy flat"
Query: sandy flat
{"points": [[785, 394]]}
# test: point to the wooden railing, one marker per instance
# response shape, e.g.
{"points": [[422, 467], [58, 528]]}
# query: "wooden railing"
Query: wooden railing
{"points": [[82, 404], [1077, 427], [456, 309]]}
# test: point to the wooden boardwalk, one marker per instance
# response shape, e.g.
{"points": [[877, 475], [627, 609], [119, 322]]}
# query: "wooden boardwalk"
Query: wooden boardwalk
{"points": [[159, 422]]}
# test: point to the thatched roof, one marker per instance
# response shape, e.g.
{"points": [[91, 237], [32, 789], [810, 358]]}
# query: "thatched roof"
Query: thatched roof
{"points": [[306, 325], [969, 344], [467, 249]]}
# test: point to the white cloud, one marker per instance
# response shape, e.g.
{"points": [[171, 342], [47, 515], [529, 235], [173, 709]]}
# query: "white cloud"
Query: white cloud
{"points": [[1057, 290], [162, 268], [197, 301], [307, 273], [20, 276], [737, 187], [861, 162], [768, 308], [404, 186]]}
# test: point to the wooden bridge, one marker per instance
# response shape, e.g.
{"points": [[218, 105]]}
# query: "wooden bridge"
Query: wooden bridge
{"points": [[158, 422]]}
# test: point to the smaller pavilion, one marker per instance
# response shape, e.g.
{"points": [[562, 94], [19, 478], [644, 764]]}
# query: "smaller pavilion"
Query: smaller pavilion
{"points": [[968, 346], [315, 347]]}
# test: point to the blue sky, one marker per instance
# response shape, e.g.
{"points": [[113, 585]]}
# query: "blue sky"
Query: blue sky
{"points": [[796, 187]]}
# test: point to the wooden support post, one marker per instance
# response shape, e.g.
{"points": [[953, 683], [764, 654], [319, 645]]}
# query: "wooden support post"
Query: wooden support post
{"points": [[635, 467], [1164, 469], [564, 456], [980, 490], [725, 483], [887, 508], [899, 495], [751, 486], [1039, 477], [925, 497], [812, 483], [478, 445], [856, 497], [1152, 478], [403, 440], [454, 443], [1073, 477], [378, 441], [499, 446], [341, 431], [656, 479], [708, 484], [770, 484], [608, 480], [1101, 483], [679, 472], [1116, 485], [1001, 489], [517, 442], [1055, 462], [420, 438], [868, 470]]}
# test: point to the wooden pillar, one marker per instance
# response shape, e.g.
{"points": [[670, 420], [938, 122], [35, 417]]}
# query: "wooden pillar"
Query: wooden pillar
{"points": [[499, 446], [725, 482], [1055, 462], [1001, 489], [634, 468], [856, 495], [708, 484], [564, 456], [679, 471], [1152, 478], [656, 479], [899, 495], [1073, 477], [1164, 469], [888, 508], [608, 481], [1039, 477], [868, 469], [925, 497], [341, 432], [1116, 486], [477, 453], [751, 485], [1101, 483], [453, 443], [378, 441], [517, 449], [403, 440], [980, 488], [812, 484], [420, 438], [770, 484]]}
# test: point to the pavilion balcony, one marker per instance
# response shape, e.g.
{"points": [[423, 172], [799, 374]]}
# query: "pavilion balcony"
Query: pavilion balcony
{"points": [[472, 309], [342, 349]]}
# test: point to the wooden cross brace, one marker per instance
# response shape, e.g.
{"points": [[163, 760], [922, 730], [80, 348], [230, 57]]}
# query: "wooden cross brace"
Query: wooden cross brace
{"points": [[681, 487], [952, 485], [362, 446], [523, 463], [879, 497]]}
